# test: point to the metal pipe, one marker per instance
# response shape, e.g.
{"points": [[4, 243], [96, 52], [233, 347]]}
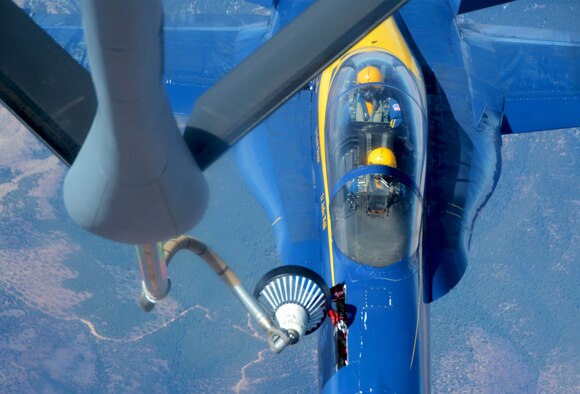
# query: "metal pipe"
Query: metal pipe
{"points": [[153, 268], [277, 339]]}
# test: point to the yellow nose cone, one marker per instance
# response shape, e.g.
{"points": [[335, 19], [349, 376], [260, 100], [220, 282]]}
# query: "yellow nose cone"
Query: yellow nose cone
{"points": [[382, 156]]}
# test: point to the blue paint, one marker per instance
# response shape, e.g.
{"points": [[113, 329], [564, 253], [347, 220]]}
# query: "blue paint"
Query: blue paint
{"points": [[385, 339], [381, 337], [467, 101], [530, 74], [276, 162], [464, 145]]}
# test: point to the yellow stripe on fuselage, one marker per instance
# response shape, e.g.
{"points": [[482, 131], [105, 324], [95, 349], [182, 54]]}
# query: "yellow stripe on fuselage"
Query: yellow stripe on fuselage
{"points": [[385, 37]]}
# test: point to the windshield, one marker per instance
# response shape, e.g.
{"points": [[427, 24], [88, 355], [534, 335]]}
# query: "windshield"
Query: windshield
{"points": [[375, 133]]}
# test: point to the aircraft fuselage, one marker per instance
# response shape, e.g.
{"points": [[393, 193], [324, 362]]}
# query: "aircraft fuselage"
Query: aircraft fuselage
{"points": [[370, 177]]}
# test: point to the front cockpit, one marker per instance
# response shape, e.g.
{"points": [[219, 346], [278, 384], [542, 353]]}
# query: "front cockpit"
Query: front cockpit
{"points": [[375, 133]]}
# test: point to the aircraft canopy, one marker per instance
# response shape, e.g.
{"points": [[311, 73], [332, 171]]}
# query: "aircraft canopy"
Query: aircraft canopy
{"points": [[375, 136]]}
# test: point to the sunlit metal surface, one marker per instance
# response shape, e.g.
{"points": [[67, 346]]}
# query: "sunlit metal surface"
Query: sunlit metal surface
{"points": [[153, 271]]}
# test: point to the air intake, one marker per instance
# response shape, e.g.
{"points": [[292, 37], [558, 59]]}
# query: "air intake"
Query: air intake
{"points": [[296, 297]]}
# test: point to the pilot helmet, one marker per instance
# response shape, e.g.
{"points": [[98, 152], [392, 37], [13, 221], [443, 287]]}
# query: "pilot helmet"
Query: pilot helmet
{"points": [[382, 156], [370, 75]]}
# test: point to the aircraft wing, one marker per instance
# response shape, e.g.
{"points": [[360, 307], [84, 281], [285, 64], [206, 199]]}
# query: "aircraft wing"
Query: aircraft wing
{"points": [[532, 73], [528, 73], [484, 74], [257, 86], [57, 98]]}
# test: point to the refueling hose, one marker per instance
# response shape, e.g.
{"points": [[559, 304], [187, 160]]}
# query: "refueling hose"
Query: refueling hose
{"points": [[277, 339]]}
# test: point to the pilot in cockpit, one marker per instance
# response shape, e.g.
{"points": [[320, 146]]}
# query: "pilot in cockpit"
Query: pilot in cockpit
{"points": [[385, 190], [370, 103], [382, 191]]}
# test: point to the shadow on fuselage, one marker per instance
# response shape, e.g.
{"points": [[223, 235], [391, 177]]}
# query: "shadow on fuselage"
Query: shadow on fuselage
{"points": [[463, 167]]}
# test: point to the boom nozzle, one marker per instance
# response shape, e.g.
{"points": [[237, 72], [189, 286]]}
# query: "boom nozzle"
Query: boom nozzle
{"points": [[153, 267]]}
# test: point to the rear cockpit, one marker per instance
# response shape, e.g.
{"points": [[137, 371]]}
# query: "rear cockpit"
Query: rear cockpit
{"points": [[375, 135]]}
